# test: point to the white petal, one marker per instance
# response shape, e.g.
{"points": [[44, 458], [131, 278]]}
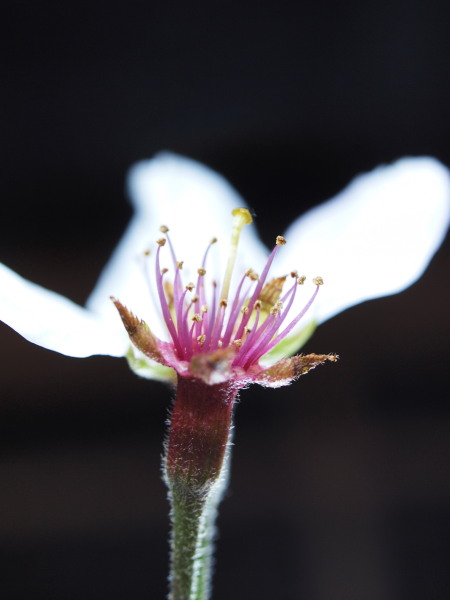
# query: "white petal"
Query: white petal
{"points": [[54, 322], [195, 203], [375, 238]]}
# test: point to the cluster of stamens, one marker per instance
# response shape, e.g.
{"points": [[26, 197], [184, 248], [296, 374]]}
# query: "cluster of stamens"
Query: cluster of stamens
{"points": [[248, 324]]}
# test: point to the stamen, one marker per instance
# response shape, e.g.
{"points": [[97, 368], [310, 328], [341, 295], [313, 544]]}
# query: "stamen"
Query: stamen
{"points": [[161, 241], [241, 217], [201, 272], [164, 229], [280, 241], [318, 281], [301, 280], [257, 290]]}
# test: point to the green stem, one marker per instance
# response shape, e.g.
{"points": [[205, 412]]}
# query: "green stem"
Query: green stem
{"points": [[196, 469]]}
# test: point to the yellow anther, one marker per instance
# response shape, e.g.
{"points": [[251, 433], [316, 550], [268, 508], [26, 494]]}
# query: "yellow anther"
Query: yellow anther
{"points": [[213, 241], [201, 272], [201, 339], [197, 318], [244, 310], [180, 264], [237, 343], [164, 229], [318, 281], [274, 311], [301, 280], [147, 252], [161, 241], [280, 241], [204, 308]]}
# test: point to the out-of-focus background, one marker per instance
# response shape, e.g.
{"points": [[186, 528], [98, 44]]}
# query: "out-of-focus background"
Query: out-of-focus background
{"points": [[340, 485]]}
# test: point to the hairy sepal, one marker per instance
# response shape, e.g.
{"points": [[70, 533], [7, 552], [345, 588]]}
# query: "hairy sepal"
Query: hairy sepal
{"points": [[287, 370]]}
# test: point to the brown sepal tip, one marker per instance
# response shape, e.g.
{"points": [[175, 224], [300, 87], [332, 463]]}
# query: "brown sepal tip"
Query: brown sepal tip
{"points": [[138, 332]]}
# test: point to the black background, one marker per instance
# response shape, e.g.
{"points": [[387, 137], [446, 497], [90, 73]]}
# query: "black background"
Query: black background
{"points": [[340, 485]]}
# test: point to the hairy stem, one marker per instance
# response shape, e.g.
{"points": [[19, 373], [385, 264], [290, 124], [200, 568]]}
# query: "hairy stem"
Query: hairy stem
{"points": [[195, 469]]}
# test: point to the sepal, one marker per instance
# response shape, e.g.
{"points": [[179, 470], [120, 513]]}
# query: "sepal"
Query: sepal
{"points": [[289, 369], [139, 333]]}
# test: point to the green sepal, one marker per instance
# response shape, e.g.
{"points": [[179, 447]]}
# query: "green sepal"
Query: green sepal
{"points": [[149, 369]]}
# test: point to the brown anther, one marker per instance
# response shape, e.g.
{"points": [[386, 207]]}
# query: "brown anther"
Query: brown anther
{"points": [[237, 343], [213, 241], [294, 274], [274, 311], [257, 305], [223, 303], [204, 308], [301, 280], [244, 310], [280, 241], [190, 287], [194, 299], [180, 264], [318, 281], [161, 241], [197, 318], [164, 271], [247, 330], [164, 229], [201, 338], [201, 272], [251, 274]]}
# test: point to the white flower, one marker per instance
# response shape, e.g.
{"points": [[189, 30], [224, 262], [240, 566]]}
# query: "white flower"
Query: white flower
{"points": [[374, 239]]}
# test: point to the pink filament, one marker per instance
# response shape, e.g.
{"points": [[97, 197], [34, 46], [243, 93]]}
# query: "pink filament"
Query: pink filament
{"points": [[187, 337]]}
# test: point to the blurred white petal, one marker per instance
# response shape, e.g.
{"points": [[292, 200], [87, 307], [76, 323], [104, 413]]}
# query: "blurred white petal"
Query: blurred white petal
{"points": [[196, 204], [375, 238], [54, 322]]}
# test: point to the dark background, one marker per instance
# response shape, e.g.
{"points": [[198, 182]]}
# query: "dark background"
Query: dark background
{"points": [[340, 486]]}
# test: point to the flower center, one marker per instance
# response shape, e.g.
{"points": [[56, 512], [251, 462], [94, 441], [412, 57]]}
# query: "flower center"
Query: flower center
{"points": [[246, 324]]}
